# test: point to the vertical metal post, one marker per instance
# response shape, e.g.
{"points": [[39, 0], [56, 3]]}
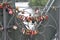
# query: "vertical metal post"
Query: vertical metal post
{"points": [[57, 4], [4, 22], [4, 33], [59, 25]]}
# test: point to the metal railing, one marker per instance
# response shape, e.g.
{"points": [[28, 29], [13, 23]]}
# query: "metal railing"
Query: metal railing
{"points": [[50, 6], [46, 8]]}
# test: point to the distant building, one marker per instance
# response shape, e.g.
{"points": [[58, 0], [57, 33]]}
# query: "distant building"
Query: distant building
{"points": [[22, 4]]}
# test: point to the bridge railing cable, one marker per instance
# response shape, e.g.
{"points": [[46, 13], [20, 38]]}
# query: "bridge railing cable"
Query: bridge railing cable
{"points": [[48, 8]]}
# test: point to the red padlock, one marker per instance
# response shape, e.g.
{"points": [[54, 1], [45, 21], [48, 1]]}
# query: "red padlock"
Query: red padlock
{"points": [[10, 11], [32, 32], [40, 18], [36, 10], [46, 17], [1, 6]]}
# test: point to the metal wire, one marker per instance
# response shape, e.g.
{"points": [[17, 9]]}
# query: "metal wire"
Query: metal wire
{"points": [[10, 20], [50, 6], [45, 7], [47, 10]]}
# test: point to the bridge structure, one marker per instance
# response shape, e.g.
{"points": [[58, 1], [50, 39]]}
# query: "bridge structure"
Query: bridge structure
{"points": [[51, 29]]}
